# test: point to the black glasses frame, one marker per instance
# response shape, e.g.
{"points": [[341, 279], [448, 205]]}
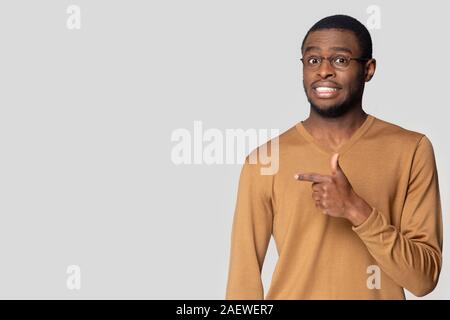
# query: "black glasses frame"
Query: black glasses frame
{"points": [[330, 60]]}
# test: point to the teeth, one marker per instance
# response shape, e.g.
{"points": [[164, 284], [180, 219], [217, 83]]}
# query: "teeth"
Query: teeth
{"points": [[325, 89]]}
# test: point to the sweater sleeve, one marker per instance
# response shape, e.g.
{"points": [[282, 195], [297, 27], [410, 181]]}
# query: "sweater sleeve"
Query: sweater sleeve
{"points": [[250, 235], [411, 254]]}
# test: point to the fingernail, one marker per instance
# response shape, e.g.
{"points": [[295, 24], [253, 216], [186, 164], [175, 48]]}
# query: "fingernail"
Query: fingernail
{"points": [[296, 177]]}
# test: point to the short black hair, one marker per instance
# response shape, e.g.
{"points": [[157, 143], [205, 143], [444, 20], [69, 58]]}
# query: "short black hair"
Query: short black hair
{"points": [[344, 22]]}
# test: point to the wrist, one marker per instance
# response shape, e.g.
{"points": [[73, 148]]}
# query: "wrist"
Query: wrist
{"points": [[358, 210]]}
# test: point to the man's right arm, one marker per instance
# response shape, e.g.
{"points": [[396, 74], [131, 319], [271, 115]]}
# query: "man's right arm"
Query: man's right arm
{"points": [[251, 233]]}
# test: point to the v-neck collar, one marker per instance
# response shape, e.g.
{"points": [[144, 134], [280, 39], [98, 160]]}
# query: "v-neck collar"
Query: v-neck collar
{"points": [[326, 149]]}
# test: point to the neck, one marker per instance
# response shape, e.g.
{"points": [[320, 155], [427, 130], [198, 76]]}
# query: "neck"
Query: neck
{"points": [[335, 129]]}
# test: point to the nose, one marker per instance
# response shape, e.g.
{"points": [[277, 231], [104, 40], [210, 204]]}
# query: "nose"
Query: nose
{"points": [[326, 70]]}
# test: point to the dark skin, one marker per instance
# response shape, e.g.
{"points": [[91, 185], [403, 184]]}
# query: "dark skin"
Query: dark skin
{"points": [[334, 118]]}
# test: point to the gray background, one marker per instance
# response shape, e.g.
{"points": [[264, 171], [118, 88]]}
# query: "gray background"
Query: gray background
{"points": [[86, 118]]}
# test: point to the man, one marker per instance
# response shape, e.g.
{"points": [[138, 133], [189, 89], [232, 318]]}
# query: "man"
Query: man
{"points": [[355, 207]]}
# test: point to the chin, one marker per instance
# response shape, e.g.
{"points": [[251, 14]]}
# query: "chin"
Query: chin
{"points": [[330, 110], [326, 105]]}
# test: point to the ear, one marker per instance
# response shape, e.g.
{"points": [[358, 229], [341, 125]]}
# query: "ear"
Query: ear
{"points": [[369, 70]]}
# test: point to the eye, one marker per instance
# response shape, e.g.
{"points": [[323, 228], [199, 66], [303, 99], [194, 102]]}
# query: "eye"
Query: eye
{"points": [[340, 60], [313, 60]]}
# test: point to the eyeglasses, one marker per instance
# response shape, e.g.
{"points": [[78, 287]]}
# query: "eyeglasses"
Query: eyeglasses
{"points": [[339, 62]]}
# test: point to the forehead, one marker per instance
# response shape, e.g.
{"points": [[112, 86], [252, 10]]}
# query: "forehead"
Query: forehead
{"points": [[330, 40]]}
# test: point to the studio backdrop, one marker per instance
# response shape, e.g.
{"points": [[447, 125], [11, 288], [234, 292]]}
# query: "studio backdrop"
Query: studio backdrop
{"points": [[124, 126]]}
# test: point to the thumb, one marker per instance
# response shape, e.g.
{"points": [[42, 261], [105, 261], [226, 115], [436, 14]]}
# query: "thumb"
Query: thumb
{"points": [[335, 167]]}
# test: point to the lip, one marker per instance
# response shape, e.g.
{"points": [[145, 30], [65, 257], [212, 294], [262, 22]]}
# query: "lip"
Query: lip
{"points": [[320, 90], [328, 84]]}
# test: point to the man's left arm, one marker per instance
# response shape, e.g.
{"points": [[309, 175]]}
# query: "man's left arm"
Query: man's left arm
{"points": [[410, 255]]}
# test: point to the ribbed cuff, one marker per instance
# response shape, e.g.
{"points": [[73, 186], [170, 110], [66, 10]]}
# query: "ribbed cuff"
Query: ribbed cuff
{"points": [[368, 223]]}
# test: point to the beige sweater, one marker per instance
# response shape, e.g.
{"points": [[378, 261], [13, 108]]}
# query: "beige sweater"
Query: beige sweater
{"points": [[322, 257]]}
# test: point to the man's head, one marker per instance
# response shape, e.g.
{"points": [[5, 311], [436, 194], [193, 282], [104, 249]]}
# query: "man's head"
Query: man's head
{"points": [[336, 85]]}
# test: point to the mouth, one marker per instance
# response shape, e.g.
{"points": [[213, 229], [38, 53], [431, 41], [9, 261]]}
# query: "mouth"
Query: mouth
{"points": [[323, 92]]}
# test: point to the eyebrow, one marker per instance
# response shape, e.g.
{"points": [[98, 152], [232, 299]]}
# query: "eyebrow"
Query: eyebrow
{"points": [[332, 48]]}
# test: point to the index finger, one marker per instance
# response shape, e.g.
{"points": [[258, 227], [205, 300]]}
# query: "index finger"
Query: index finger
{"points": [[313, 177]]}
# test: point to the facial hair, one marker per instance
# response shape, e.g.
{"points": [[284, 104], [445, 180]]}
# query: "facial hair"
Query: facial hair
{"points": [[338, 110]]}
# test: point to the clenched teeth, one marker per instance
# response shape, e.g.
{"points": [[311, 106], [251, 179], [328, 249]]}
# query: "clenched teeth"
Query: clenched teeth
{"points": [[325, 89]]}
